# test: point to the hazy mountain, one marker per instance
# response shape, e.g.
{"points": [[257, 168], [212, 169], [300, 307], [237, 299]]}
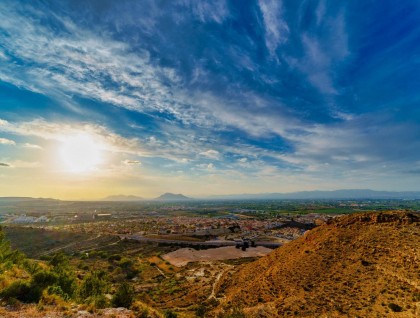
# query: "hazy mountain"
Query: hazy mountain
{"points": [[173, 197], [311, 195], [122, 197], [359, 265], [25, 199]]}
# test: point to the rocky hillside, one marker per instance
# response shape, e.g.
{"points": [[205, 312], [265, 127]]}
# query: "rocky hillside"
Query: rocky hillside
{"points": [[360, 265]]}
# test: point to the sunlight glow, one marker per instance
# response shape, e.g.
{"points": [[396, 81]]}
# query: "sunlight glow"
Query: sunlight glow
{"points": [[80, 154]]}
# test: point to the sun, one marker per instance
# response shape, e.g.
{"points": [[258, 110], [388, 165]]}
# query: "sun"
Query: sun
{"points": [[80, 153]]}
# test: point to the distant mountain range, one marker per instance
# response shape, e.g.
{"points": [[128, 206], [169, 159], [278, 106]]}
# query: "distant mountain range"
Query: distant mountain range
{"points": [[319, 195], [122, 197], [173, 197], [25, 199], [349, 194]]}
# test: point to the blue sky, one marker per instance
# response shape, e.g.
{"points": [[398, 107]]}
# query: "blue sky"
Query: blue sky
{"points": [[208, 97]]}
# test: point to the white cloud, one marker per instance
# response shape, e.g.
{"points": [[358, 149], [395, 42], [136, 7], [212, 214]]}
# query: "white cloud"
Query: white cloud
{"points": [[5, 141], [108, 140], [325, 46], [31, 146], [276, 29], [81, 62], [131, 162], [211, 153], [209, 11], [3, 56]]}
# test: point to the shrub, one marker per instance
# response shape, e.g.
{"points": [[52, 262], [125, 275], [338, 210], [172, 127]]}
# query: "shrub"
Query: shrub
{"points": [[395, 307], [132, 273], [19, 290], [114, 257], [31, 266], [124, 296], [43, 279], [59, 260], [170, 314], [140, 310], [93, 284], [40, 281], [52, 299], [235, 313], [8, 257], [98, 301], [67, 283], [125, 263], [201, 311]]}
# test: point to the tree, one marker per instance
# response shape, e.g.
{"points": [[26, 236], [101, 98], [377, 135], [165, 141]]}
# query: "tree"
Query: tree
{"points": [[66, 279], [8, 257]]}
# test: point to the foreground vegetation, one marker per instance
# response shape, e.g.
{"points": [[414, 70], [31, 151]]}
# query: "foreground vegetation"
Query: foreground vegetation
{"points": [[121, 274], [57, 283]]}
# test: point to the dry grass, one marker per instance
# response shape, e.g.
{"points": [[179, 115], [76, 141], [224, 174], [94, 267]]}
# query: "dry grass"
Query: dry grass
{"points": [[162, 264], [357, 266]]}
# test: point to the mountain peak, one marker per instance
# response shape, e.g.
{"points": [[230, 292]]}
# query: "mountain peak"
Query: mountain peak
{"points": [[172, 197]]}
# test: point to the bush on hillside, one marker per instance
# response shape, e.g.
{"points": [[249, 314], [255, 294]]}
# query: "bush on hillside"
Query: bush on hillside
{"points": [[124, 296], [94, 284]]}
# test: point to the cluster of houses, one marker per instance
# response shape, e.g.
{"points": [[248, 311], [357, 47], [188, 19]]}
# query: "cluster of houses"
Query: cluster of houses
{"points": [[23, 218]]}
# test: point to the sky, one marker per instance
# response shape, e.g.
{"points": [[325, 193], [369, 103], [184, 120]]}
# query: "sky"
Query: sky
{"points": [[101, 97]]}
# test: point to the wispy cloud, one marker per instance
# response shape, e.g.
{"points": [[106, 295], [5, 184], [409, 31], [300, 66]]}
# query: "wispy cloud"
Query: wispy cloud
{"points": [[211, 153], [276, 28], [61, 131], [208, 11], [2, 164], [31, 146], [106, 70], [325, 45], [77, 61], [5, 141], [215, 89], [131, 162]]}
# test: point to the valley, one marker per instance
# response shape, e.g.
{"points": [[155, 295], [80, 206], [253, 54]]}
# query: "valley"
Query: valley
{"points": [[198, 260]]}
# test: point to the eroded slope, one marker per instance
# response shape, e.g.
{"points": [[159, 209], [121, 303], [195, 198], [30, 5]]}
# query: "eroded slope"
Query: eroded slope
{"points": [[361, 265]]}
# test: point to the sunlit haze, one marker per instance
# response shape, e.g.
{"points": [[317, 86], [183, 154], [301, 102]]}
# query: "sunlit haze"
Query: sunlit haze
{"points": [[80, 154], [102, 98]]}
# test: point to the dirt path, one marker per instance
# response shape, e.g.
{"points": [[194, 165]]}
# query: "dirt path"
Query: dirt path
{"points": [[160, 271], [213, 290]]}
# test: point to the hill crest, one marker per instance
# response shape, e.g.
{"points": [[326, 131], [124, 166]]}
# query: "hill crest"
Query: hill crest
{"points": [[360, 265]]}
